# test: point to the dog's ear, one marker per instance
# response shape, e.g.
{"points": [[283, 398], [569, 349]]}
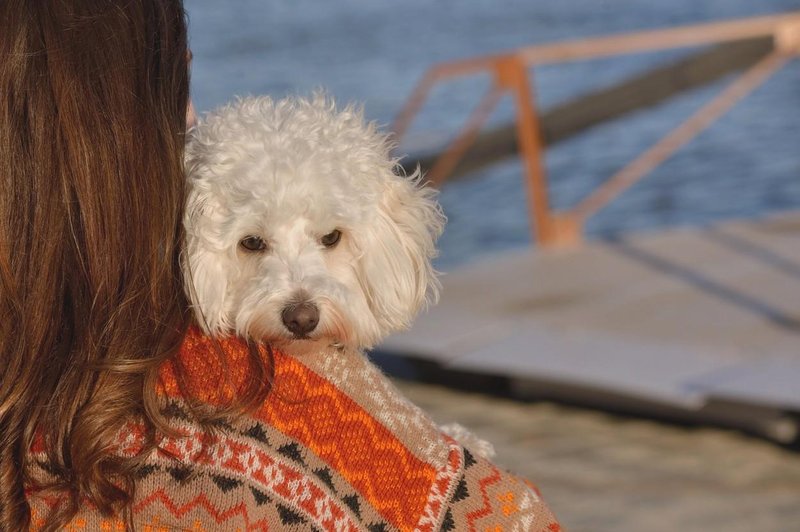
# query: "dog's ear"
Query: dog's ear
{"points": [[205, 270], [205, 262], [396, 252]]}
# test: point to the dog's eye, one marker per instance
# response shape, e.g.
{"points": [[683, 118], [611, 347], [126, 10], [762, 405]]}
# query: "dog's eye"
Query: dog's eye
{"points": [[331, 239], [253, 243]]}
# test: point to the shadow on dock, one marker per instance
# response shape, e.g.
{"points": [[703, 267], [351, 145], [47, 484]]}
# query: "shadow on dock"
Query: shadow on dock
{"points": [[729, 294]]}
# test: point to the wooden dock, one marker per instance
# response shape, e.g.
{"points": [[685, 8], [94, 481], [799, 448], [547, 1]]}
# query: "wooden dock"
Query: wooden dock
{"points": [[698, 323], [692, 324]]}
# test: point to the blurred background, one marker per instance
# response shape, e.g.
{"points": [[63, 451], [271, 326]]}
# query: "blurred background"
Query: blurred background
{"points": [[674, 322], [375, 52]]}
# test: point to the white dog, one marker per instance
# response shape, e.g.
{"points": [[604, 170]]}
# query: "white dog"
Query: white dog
{"points": [[300, 232]]}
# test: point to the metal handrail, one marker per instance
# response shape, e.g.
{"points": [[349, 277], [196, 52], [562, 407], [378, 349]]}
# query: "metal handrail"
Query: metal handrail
{"points": [[510, 72]]}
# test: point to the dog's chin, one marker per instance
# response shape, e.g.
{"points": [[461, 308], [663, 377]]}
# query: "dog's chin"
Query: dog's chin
{"points": [[333, 333], [296, 345]]}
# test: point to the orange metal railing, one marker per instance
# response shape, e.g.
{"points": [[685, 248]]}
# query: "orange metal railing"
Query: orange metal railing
{"points": [[511, 75]]}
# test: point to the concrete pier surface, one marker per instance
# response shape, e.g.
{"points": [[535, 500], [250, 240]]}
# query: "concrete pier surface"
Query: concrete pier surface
{"points": [[694, 323], [605, 473]]}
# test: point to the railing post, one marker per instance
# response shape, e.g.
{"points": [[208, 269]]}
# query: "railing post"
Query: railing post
{"points": [[548, 229], [787, 37]]}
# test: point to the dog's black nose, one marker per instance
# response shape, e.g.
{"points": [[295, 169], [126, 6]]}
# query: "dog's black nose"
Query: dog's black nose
{"points": [[301, 319]]}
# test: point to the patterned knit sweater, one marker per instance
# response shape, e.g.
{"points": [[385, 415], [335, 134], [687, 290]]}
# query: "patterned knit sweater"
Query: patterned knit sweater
{"points": [[334, 447]]}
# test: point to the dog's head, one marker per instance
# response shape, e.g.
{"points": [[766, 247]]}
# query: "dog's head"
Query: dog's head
{"points": [[299, 228]]}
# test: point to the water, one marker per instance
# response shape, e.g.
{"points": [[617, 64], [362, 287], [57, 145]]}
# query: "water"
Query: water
{"points": [[375, 51]]}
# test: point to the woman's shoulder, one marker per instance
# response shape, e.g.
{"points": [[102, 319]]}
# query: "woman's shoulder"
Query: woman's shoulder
{"points": [[336, 443], [333, 446]]}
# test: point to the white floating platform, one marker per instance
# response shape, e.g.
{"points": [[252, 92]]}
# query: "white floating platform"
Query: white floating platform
{"points": [[679, 318]]}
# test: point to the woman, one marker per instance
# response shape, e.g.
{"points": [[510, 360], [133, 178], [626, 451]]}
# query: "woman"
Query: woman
{"points": [[92, 120], [114, 411]]}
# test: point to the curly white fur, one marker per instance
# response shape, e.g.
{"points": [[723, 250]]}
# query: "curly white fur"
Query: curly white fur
{"points": [[290, 172]]}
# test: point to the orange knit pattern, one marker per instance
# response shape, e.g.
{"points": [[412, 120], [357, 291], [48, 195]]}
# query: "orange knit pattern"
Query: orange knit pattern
{"points": [[311, 410], [314, 456]]}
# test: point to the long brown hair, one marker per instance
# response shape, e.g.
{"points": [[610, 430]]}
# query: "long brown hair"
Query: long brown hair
{"points": [[93, 97]]}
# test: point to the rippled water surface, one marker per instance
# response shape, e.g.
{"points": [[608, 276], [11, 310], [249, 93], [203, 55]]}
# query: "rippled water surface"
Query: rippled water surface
{"points": [[374, 51]]}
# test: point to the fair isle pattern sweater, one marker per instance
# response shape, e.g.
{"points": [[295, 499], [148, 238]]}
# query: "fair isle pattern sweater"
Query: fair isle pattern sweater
{"points": [[334, 447]]}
